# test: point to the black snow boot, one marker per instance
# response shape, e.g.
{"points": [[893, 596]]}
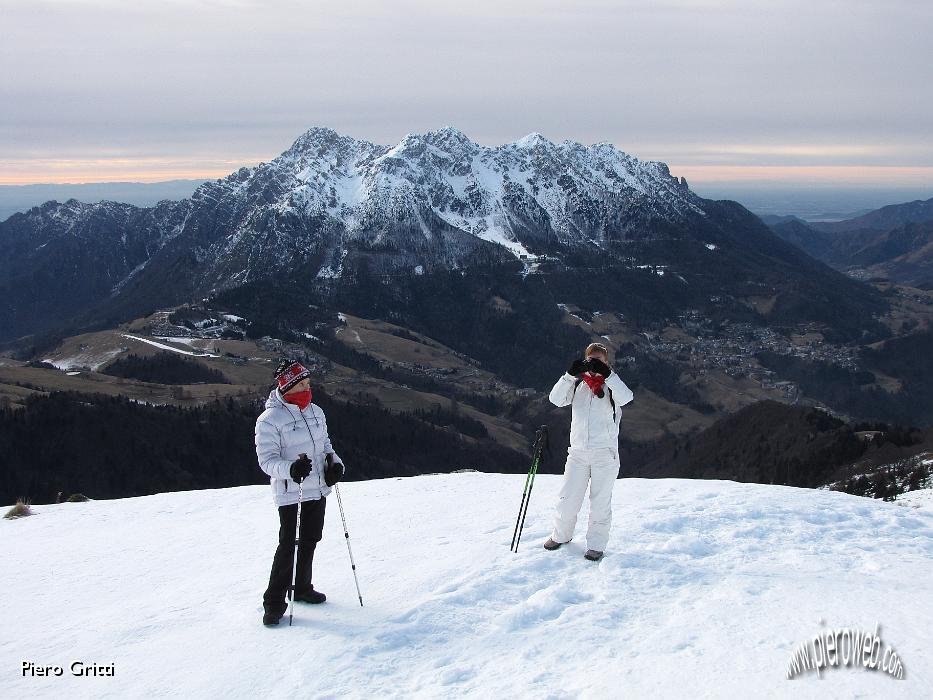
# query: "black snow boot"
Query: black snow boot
{"points": [[271, 619], [310, 596], [593, 555], [551, 545]]}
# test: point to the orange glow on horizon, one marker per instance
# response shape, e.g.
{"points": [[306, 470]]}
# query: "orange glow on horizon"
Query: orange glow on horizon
{"points": [[103, 170]]}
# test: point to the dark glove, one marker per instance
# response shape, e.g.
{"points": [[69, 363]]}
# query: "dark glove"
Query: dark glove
{"points": [[577, 368], [300, 469], [594, 364], [333, 472]]}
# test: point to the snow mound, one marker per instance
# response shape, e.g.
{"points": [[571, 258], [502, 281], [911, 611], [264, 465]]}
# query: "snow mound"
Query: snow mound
{"points": [[706, 589]]}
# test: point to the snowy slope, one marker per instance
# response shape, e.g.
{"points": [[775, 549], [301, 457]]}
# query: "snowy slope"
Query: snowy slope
{"points": [[706, 589]]}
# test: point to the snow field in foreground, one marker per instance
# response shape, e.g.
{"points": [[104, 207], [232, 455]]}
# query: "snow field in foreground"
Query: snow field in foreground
{"points": [[706, 589]]}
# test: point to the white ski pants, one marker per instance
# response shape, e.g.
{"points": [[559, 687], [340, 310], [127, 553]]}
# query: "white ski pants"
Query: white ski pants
{"points": [[598, 469]]}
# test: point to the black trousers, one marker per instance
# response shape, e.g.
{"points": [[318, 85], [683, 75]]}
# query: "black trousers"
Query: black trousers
{"points": [[280, 578]]}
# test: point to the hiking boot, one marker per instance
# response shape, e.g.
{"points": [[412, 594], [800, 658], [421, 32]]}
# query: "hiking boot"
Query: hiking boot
{"points": [[551, 545], [271, 619], [593, 555], [312, 596]]}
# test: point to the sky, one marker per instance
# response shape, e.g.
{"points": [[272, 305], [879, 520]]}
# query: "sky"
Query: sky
{"points": [[727, 92]]}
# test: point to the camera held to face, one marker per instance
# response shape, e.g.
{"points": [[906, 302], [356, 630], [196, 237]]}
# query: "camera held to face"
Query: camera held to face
{"points": [[595, 365]]}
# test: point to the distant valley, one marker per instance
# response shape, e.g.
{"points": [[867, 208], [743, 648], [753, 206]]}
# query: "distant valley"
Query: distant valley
{"points": [[438, 288], [894, 242]]}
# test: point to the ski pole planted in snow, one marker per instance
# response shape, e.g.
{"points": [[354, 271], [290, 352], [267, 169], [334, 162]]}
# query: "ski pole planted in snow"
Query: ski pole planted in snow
{"points": [[291, 590], [347, 537], [540, 443]]}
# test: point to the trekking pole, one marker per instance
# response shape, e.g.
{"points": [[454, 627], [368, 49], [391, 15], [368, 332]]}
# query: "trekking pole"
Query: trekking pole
{"points": [[350, 551], [540, 441], [291, 590]]}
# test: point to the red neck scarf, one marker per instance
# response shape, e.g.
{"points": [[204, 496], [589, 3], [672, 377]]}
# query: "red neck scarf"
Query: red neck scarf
{"points": [[594, 382], [301, 399]]}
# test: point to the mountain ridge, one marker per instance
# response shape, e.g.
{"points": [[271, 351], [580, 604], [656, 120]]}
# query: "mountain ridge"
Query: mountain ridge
{"points": [[332, 207], [894, 241]]}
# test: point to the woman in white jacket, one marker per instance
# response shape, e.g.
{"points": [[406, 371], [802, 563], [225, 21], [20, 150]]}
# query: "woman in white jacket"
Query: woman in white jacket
{"points": [[292, 446], [596, 395]]}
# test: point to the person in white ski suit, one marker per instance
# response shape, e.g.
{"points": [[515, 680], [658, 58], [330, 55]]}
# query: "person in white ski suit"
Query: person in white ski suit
{"points": [[596, 395], [292, 444]]}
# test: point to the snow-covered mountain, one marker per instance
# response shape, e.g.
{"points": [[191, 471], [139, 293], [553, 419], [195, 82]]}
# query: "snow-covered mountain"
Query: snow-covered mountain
{"points": [[438, 197], [706, 590], [331, 205], [432, 199]]}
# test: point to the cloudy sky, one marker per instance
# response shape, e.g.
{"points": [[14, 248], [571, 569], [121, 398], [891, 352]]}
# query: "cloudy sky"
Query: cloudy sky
{"points": [[816, 91]]}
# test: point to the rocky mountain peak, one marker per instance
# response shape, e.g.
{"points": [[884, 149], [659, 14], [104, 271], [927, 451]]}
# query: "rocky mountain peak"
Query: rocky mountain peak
{"points": [[449, 138], [533, 140]]}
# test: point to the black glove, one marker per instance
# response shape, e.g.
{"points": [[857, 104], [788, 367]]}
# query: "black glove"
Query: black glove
{"points": [[577, 368], [597, 366], [300, 469], [333, 472]]}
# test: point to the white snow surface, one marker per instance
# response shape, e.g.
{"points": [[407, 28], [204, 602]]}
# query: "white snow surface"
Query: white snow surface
{"points": [[163, 346], [496, 235], [178, 339], [91, 359], [920, 499], [705, 589]]}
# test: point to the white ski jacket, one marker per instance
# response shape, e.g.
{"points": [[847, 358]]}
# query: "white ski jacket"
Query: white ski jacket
{"points": [[283, 432], [592, 424]]}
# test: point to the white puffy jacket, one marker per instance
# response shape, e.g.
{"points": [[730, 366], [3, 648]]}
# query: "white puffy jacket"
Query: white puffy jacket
{"points": [[283, 432], [592, 424]]}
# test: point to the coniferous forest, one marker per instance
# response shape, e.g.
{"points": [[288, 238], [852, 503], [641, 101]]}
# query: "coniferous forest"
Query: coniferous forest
{"points": [[164, 368], [112, 447]]}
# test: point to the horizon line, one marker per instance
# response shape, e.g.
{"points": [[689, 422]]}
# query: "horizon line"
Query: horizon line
{"points": [[148, 172]]}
